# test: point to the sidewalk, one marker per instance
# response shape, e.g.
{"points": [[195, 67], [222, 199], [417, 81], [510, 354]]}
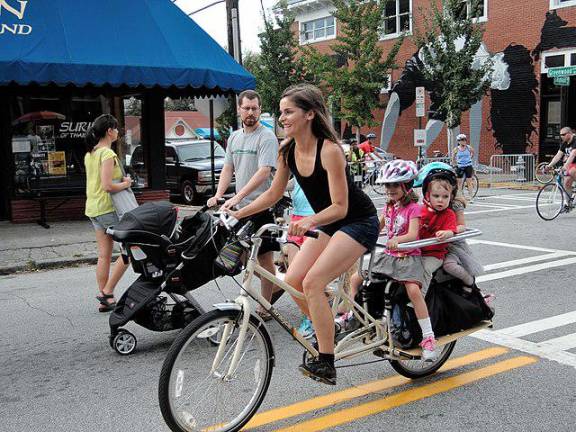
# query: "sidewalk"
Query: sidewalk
{"points": [[25, 247]]}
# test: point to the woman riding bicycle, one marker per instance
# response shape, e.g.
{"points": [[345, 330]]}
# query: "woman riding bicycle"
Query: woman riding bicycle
{"points": [[462, 157], [344, 215]]}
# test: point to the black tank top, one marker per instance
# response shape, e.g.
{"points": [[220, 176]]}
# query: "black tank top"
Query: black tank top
{"points": [[317, 191]]}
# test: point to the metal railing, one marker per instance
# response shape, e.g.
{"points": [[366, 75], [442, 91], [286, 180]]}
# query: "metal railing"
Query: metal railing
{"points": [[518, 168]]}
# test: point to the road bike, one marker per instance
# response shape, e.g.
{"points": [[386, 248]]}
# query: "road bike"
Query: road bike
{"points": [[553, 199], [469, 190], [544, 174], [217, 371]]}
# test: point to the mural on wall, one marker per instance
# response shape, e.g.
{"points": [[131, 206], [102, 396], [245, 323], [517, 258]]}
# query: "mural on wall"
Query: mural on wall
{"points": [[513, 112], [402, 96], [555, 35]]}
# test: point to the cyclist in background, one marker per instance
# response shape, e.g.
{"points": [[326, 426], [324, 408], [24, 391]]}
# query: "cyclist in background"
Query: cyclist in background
{"points": [[368, 146], [567, 153], [462, 157]]}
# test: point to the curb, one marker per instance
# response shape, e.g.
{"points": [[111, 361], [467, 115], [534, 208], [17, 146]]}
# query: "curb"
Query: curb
{"points": [[516, 186], [47, 264]]}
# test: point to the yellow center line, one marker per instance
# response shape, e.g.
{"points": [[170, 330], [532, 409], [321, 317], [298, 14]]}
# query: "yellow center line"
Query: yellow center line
{"points": [[331, 399], [380, 405]]}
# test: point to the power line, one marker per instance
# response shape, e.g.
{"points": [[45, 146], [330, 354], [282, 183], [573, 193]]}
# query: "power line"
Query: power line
{"points": [[205, 7]]}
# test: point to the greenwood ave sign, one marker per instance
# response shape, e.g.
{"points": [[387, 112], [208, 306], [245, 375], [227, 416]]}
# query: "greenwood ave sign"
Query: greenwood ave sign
{"points": [[561, 71]]}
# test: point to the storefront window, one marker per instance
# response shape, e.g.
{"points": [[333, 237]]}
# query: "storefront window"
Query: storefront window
{"points": [[133, 146], [48, 142]]}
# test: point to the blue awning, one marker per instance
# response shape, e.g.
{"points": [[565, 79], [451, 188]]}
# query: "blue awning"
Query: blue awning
{"points": [[205, 133], [109, 42]]}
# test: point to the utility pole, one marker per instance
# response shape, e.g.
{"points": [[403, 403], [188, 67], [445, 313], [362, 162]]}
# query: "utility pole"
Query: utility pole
{"points": [[234, 49]]}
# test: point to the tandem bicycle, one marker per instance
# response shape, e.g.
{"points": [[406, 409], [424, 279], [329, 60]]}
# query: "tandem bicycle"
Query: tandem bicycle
{"points": [[218, 369]]}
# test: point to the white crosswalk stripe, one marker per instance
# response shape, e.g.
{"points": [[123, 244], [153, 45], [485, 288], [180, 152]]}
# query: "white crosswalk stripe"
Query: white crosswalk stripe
{"points": [[555, 349]]}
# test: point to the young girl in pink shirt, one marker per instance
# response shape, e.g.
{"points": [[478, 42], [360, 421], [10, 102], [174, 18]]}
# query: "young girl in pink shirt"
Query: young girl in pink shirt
{"points": [[400, 223]]}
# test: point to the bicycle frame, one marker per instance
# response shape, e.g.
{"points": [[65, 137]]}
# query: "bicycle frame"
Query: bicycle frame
{"points": [[374, 333]]}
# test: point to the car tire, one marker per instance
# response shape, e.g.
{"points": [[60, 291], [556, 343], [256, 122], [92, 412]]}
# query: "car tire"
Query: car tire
{"points": [[188, 192]]}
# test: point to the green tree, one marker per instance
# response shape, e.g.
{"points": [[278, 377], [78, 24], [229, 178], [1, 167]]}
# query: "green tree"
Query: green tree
{"points": [[275, 68], [448, 47], [179, 104], [278, 65], [356, 72]]}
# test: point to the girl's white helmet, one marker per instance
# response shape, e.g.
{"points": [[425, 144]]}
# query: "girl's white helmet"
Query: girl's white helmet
{"points": [[398, 171]]}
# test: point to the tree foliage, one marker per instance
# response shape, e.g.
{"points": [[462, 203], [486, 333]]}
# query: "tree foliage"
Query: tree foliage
{"points": [[448, 48], [356, 71], [277, 66]]}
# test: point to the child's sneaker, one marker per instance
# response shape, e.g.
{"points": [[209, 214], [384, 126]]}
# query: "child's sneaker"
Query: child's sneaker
{"points": [[428, 345], [342, 319], [489, 298], [305, 328]]}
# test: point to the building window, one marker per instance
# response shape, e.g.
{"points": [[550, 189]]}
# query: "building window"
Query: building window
{"points": [[556, 4], [48, 142], [558, 58], [318, 29], [397, 18], [467, 10]]}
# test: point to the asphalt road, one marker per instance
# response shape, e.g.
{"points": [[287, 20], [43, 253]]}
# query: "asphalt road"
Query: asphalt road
{"points": [[59, 374]]}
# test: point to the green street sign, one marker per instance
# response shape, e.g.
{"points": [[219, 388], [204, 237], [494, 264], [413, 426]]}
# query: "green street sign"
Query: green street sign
{"points": [[561, 71], [562, 81]]}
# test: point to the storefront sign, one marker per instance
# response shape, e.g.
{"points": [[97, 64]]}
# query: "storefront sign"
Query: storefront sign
{"points": [[73, 129], [14, 28], [561, 71], [57, 163], [562, 81]]}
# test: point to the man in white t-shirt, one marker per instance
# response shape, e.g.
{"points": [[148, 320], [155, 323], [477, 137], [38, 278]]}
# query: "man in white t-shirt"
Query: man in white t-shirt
{"points": [[251, 155]]}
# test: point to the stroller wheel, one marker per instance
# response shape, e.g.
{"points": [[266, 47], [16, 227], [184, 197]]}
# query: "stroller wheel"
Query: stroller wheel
{"points": [[124, 343]]}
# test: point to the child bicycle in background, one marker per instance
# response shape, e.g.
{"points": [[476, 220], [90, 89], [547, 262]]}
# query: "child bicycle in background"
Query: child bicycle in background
{"points": [[400, 222]]}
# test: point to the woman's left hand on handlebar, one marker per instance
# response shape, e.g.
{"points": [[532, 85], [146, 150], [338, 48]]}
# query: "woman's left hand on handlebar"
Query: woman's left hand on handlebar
{"points": [[300, 227]]}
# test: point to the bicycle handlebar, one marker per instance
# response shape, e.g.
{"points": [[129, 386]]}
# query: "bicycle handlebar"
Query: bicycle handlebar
{"points": [[469, 233]]}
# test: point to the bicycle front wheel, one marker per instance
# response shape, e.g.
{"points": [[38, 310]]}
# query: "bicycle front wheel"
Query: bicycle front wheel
{"points": [[419, 368], [542, 174], [198, 391], [549, 201]]}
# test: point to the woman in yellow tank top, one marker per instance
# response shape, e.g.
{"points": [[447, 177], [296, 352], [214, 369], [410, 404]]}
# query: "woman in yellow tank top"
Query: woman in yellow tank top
{"points": [[101, 169]]}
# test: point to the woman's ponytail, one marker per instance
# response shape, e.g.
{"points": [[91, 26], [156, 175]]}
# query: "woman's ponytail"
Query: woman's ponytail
{"points": [[99, 129]]}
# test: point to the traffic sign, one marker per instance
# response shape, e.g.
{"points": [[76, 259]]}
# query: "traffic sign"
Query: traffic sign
{"points": [[419, 94], [420, 104], [419, 137], [562, 81], [561, 71]]}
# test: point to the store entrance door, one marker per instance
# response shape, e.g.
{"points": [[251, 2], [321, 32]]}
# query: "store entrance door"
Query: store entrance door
{"points": [[558, 109]]}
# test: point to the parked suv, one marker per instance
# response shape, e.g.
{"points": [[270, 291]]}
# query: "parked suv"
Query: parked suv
{"points": [[188, 168]]}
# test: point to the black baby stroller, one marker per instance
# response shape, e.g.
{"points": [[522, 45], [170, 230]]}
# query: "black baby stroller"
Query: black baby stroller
{"points": [[172, 259]]}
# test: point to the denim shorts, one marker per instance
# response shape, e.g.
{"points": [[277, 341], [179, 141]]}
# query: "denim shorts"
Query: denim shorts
{"points": [[364, 231], [104, 221]]}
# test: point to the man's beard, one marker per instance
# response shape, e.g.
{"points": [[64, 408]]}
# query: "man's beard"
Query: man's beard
{"points": [[249, 121]]}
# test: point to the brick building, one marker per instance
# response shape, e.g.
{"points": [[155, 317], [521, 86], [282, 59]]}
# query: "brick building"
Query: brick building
{"points": [[524, 109]]}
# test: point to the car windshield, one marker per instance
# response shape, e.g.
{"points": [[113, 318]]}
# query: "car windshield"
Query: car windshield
{"points": [[198, 151]]}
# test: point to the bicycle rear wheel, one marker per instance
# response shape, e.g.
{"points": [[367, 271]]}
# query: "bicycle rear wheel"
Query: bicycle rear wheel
{"points": [[549, 201], [543, 175], [195, 394], [470, 187], [420, 368]]}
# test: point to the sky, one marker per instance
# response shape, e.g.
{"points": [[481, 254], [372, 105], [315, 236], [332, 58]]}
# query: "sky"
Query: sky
{"points": [[213, 20]]}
